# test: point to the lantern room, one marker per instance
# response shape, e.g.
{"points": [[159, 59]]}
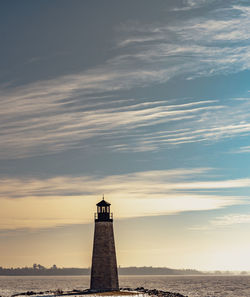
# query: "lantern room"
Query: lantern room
{"points": [[103, 212]]}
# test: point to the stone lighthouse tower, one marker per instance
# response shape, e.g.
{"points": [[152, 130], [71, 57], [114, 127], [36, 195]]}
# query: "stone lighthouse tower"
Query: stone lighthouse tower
{"points": [[104, 276]]}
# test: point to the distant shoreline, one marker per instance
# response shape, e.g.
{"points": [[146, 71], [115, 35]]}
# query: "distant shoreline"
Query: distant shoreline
{"points": [[39, 270]]}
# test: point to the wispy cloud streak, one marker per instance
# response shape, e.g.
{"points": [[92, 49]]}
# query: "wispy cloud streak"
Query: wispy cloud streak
{"points": [[204, 45], [37, 122], [33, 123], [208, 126], [243, 149], [225, 221], [231, 219], [147, 184], [149, 193]]}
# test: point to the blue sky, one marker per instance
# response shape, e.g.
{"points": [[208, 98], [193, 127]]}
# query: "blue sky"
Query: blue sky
{"points": [[146, 102]]}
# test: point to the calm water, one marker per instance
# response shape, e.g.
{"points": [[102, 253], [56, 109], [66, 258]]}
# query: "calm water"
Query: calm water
{"points": [[202, 286]]}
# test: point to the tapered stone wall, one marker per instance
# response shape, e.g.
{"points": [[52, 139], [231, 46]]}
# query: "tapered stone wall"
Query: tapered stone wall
{"points": [[104, 276]]}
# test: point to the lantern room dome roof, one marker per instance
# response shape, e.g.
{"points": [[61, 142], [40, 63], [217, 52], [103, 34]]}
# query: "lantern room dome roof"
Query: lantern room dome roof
{"points": [[103, 203]]}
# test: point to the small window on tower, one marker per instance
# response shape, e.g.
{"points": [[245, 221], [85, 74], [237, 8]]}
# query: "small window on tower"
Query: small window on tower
{"points": [[103, 209]]}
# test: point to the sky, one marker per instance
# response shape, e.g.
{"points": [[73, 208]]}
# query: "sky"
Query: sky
{"points": [[146, 102]]}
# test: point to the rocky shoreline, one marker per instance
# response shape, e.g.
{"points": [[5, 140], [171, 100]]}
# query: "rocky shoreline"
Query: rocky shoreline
{"points": [[123, 291], [155, 292]]}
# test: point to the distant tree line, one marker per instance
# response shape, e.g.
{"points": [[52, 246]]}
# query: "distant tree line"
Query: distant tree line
{"points": [[38, 269], [156, 271]]}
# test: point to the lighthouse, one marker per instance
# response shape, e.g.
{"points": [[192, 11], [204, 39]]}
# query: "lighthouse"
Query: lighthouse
{"points": [[104, 276]]}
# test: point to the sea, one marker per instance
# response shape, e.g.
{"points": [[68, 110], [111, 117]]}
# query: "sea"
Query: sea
{"points": [[192, 286]]}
